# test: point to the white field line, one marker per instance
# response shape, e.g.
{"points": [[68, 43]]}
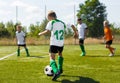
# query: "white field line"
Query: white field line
{"points": [[10, 55], [21, 51]]}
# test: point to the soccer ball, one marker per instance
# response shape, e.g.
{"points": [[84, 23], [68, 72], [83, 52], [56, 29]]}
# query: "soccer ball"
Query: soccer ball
{"points": [[48, 70]]}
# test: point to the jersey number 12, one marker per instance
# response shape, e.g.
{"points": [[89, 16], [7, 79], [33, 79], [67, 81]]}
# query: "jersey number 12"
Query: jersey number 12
{"points": [[59, 34]]}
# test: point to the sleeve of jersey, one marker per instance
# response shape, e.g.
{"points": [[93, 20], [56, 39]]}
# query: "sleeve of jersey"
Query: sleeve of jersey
{"points": [[49, 26], [77, 27], [23, 34], [85, 25]]}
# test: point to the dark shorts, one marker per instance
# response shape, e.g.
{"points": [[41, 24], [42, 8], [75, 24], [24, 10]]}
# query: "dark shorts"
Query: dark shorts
{"points": [[21, 44], [81, 41], [55, 49], [109, 42]]}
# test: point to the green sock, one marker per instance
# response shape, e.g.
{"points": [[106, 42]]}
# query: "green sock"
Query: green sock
{"points": [[60, 62], [54, 66], [27, 52], [18, 52], [82, 48]]}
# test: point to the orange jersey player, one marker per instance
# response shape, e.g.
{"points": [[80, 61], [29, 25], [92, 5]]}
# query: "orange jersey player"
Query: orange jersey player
{"points": [[108, 37]]}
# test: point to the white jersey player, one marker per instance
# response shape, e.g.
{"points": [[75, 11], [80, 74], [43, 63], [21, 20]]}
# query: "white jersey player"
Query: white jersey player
{"points": [[20, 39], [82, 31]]}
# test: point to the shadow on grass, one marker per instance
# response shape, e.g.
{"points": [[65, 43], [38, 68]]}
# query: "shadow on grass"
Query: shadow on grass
{"points": [[38, 56], [97, 56], [104, 56], [81, 80]]}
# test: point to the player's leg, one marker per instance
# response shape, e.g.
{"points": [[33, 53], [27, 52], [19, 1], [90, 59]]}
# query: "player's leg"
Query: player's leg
{"points": [[53, 51], [54, 67], [26, 49], [111, 49], [81, 43], [60, 60], [18, 51], [53, 62]]}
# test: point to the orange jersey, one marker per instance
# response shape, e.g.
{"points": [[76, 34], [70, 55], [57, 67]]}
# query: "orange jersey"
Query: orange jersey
{"points": [[108, 33]]}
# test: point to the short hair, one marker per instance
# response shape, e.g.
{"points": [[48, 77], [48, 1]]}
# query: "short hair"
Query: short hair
{"points": [[79, 19], [106, 22], [19, 26], [52, 14]]}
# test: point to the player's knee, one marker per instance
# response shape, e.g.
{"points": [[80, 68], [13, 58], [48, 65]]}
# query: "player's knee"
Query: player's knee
{"points": [[80, 43], [52, 56], [107, 46], [60, 54]]}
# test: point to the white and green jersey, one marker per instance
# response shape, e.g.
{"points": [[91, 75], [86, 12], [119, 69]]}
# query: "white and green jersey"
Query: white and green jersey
{"points": [[20, 37], [81, 30], [57, 29]]}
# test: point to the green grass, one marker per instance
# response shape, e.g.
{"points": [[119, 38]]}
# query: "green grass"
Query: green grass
{"points": [[95, 67]]}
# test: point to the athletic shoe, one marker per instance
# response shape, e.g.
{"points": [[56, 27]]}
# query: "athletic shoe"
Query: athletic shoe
{"points": [[83, 54], [61, 71], [111, 54], [55, 76], [28, 55]]}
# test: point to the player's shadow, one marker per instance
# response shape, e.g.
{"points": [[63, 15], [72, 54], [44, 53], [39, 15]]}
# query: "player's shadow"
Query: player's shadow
{"points": [[81, 80], [116, 55], [37, 56]]}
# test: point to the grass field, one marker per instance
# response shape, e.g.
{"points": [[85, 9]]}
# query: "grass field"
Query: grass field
{"points": [[95, 67]]}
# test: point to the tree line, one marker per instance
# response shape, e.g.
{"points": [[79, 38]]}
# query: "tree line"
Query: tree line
{"points": [[92, 12]]}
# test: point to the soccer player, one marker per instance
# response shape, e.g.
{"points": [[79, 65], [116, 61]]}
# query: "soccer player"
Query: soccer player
{"points": [[82, 31], [108, 37], [20, 39], [57, 29]]}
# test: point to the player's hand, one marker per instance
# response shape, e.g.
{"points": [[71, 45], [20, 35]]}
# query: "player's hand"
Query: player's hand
{"points": [[113, 37], [39, 34]]}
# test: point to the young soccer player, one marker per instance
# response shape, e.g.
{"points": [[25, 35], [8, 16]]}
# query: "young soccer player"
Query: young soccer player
{"points": [[57, 29], [108, 37], [20, 39], [82, 31]]}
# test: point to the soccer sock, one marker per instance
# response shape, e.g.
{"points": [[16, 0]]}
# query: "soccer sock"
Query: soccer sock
{"points": [[60, 62], [18, 52], [27, 52], [54, 66], [82, 48]]}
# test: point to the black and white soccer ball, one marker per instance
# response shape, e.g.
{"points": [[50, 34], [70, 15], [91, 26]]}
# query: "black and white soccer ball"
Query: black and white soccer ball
{"points": [[48, 70]]}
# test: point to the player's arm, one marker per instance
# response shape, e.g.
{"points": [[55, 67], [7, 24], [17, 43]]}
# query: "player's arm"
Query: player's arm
{"points": [[24, 35], [75, 31], [16, 39], [112, 35], [24, 38], [44, 32], [104, 37], [86, 31]]}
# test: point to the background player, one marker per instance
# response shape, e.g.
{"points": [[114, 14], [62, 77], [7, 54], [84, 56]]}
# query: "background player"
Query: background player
{"points": [[82, 32], [20, 39], [108, 37]]}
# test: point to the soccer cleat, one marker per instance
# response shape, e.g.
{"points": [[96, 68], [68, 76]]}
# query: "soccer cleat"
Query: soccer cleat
{"points": [[55, 76], [28, 55], [61, 71], [83, 54], [111, 55]]}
